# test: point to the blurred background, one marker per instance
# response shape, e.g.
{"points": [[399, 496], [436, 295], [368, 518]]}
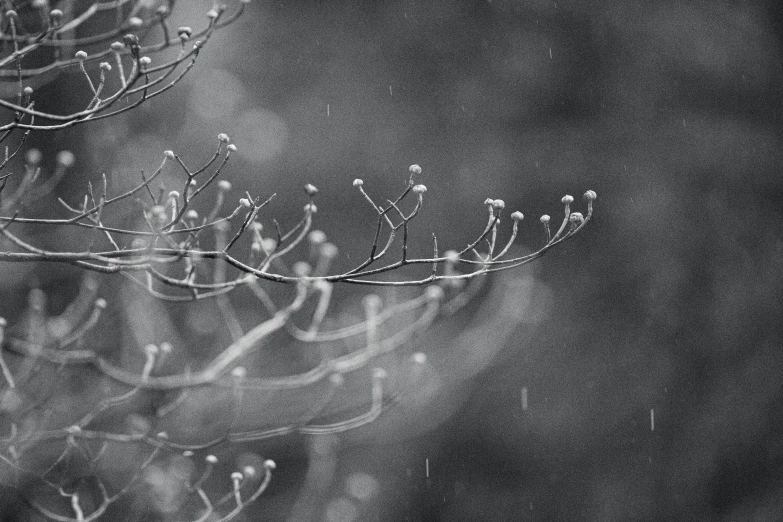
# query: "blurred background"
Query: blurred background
{"points": [[643, 379]]}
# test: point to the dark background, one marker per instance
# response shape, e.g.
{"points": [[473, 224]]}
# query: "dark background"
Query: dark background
{"points": [[670, 301]]}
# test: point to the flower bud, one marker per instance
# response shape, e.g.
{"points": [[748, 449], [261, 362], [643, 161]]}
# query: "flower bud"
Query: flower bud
{"points": [[223, 137], [311, 190], [414, 169], [590, 195], [66, 158], [576, 218], [224, 185], [329, 250], [302, 269], [117, 46], [517, 216], [268, 244], [158, 210], [316, 237], [245, 203], [419, 189], [135, 22], [191, 215], [372, 302], [567, 200], [434, 292], [33, 157], [131, 41], [105, 66], [169, 154], [358, 182], [80, 55], [498, 204], [419, 358], [310, 208], [231, 147], [545, 219]]}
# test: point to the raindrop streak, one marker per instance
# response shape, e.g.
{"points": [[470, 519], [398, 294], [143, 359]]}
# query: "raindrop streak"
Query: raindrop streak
{"points": [[550, 53], [652, 419], [524, 398], [427, 467], [390, 91], [327, 110]]}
